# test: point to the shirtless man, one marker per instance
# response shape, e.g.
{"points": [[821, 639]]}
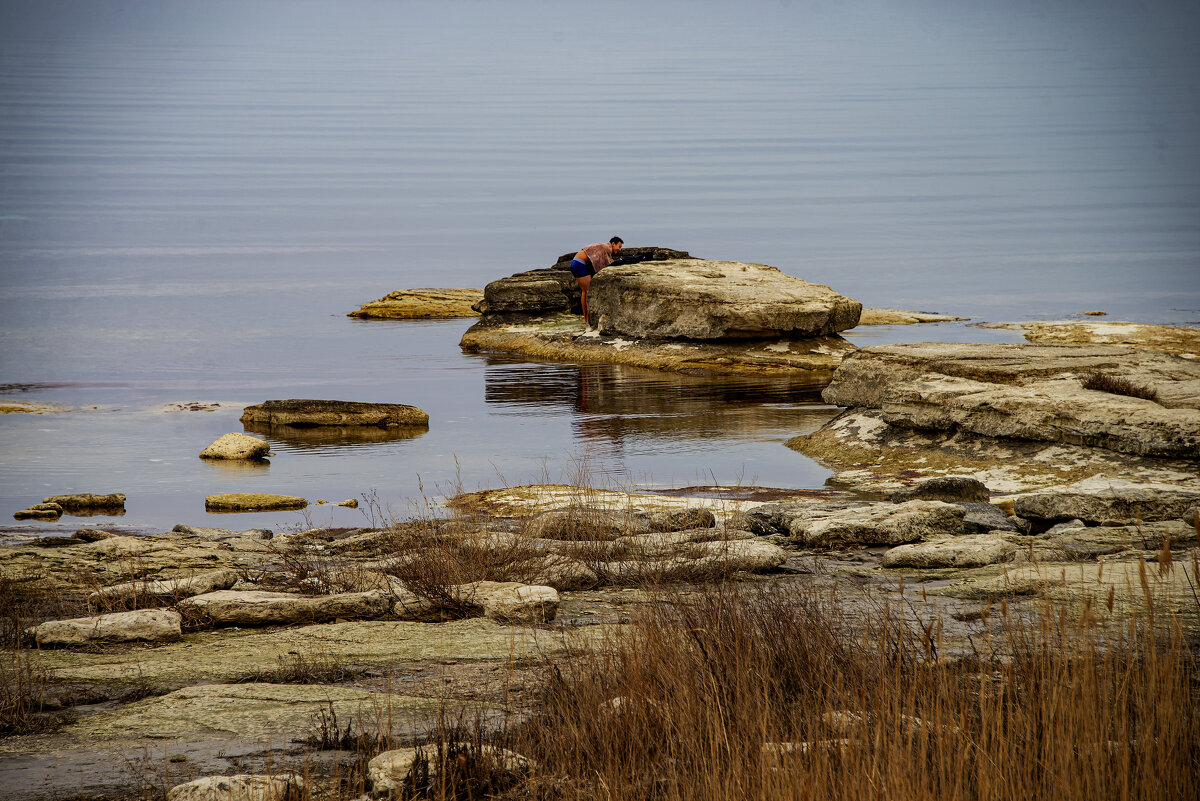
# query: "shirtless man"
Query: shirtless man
{"points": [[591, 260]]}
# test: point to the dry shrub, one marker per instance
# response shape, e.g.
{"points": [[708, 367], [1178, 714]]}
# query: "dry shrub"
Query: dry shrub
{"points": [[26, 601], [300, 669], [1115, 385], [1045, 708]]}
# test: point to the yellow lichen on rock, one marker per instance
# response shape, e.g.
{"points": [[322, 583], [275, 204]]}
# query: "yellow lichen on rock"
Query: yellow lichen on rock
{"points": [[252, 502]]}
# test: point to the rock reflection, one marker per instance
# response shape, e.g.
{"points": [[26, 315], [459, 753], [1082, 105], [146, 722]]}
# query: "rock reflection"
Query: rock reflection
{"points": [[615, 403], [239, 466], [326, 437]]}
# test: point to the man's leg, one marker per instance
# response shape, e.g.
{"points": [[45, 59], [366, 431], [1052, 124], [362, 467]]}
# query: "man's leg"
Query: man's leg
{"points": [[584, 282]]}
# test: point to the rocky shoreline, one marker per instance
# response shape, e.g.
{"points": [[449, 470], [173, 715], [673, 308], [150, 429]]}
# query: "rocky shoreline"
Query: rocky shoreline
{"points": [[1054, 472]]}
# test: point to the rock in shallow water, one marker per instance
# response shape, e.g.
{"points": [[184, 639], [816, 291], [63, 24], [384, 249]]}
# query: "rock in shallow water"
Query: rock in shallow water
{"points": [[706, 300], [408, 304], [252, 502], [301, 412], [236, 446]]}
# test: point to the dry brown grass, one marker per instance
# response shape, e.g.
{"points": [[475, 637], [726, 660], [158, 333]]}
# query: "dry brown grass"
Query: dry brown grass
{"points": [[1115, 385], [1044, 708]]}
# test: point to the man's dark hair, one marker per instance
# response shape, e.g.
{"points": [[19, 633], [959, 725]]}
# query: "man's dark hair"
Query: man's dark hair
{"points": [[616, 240]]}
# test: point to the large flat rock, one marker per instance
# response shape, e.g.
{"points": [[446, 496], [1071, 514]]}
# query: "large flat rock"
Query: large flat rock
{"points": [[305, 412], [1178, 340], [1029, 392], [708, 300], [563, 337]]}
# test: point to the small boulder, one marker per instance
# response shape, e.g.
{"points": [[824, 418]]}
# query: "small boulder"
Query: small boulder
{"points": [[236, 446], [951, 489], [879, 524], [584, 523], [680, 519], [252, 502], [304, 413], [142, 625], [240, 787], [984, 517], [513, 602], [389, 771], [92, 535]]}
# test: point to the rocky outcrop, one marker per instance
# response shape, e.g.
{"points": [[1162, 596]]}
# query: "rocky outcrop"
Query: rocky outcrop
{"points": [[554, 289], [1029, 392], [304, 413], [39, 511], [237, 446], [252, 502], [1102, 499], [410, 304], [1177, 340], [143, 625], [87, 502], [257, 608], [869, 454], [714, 300]]}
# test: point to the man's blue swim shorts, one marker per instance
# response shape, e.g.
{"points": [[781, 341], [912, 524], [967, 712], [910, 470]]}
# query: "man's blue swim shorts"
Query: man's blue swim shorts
{"points": [[580, 268]]}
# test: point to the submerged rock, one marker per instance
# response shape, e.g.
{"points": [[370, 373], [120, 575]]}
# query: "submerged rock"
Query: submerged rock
{"points": [[252, 502], [297, 412], [237, 446], [707, 300], [143, 625], [408, 304]]}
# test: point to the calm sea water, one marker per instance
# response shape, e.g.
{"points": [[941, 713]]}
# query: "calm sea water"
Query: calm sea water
{"points": [[192, 195]]}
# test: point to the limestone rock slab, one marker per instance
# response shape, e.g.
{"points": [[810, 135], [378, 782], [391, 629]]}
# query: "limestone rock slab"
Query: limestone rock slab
{"points": [[706, 300], [878, 524], [303, 412], [142, 625], [252, 502], [975, 550], [88, 501], [409, 304], [169, 588], [258, 608], [1030, 392], [1100, 498]]}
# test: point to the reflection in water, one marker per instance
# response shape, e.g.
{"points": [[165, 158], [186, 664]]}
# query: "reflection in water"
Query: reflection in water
{"points": [[239, 466], [330, 437], [627, 409]]}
